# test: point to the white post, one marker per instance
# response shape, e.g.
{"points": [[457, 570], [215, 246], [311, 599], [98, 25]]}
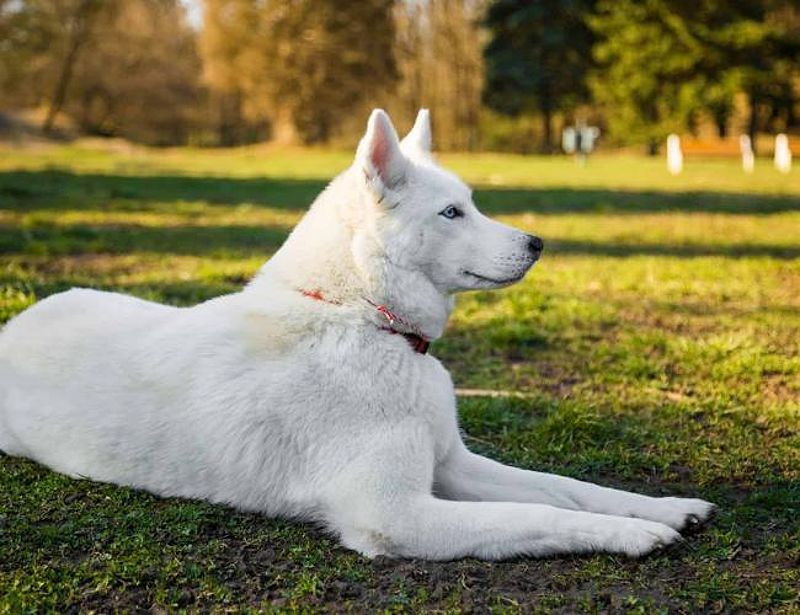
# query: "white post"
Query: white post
{"points": [[783, 155], [748, 158], [568, 140], [674, 154]]}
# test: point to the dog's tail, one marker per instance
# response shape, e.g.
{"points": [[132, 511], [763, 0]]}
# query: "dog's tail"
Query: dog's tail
{"points": [[5, 386], [8, 443]]}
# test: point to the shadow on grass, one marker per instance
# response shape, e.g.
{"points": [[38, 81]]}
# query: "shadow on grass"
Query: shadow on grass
{"points": [[239, 241], [231, 241], [178, 293], [49, 189], [684, 250], [555, 201], [58, 189]]}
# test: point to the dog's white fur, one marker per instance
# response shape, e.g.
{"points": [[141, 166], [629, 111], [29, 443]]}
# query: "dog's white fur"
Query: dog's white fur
{"points": [[271, 401]]}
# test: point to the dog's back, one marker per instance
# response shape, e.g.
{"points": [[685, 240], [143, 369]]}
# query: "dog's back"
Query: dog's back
{"points": [[63, 343]]}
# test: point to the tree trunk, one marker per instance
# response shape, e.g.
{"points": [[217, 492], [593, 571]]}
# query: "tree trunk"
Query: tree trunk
{"points": [[721, 120], [60, 94], [229, 107], [284, 131], [547, 129], [77, 39], [752, 126]]}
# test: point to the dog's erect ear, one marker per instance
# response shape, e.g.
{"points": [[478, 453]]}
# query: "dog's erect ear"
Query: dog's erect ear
{"points": [[379, 152], [418, 141]]}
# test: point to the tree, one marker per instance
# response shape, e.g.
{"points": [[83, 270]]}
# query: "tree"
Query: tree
{"points": [[42, 41], [21, 40], [538, 57], [439, 56], [328, 58], [304, 63], [767, 61], [127, 67], [750, 46], [139, 77], [648, 58], [661, 62], [77, 18], [232, 70]]}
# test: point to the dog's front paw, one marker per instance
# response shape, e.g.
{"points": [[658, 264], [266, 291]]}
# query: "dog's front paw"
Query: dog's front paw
{"points": [[638, 537], [681, 513]]}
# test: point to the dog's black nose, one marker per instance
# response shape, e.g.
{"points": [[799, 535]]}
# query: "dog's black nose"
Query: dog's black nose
{"points": [[535, 244]]}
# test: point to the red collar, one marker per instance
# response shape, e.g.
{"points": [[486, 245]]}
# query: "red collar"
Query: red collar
{"points": [[418, 343]]}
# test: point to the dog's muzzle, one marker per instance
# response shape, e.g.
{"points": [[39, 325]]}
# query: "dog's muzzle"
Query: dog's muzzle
{"points": [[535, 245]]}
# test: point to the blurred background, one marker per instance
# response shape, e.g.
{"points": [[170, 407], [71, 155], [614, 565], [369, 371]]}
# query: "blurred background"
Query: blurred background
{"points": [[504, 75]]}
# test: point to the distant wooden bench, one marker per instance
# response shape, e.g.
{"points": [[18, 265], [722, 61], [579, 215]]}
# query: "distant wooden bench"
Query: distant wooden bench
{"points": [[730, 147], [718, 147]]}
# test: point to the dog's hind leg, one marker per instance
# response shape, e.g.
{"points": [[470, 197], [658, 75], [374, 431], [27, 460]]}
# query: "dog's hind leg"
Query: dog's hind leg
{"points": [[469, 477]]}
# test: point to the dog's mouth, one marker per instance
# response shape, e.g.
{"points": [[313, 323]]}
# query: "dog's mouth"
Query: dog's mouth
{"points": [[495, 281]]}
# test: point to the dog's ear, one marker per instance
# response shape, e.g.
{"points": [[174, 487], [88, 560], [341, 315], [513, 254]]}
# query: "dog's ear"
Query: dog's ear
{"points": [[417, 143], [379, 153]]}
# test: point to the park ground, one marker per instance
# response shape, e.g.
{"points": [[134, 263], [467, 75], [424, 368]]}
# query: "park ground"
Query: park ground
{"points": [[656, 347]]}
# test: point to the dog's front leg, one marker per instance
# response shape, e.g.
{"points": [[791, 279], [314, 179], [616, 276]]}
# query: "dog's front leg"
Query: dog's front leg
{"points": [[420, 525], [469, 477], [381, 503]]}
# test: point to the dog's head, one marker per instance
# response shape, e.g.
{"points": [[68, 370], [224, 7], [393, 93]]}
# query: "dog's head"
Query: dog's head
{"points": [[425, 219]]}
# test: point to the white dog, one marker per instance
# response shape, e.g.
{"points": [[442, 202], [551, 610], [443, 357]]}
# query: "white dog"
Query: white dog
{"points": [[310, 394]]}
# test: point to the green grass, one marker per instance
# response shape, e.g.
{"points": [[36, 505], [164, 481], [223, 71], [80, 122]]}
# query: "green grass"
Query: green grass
{"points": [[657, 344]]}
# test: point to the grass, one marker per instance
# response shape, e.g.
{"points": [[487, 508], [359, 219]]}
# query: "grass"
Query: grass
{"points": [[657, 343]]}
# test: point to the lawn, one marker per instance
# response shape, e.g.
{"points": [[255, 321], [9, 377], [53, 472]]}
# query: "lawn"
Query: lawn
{"points": [[656, 347]]}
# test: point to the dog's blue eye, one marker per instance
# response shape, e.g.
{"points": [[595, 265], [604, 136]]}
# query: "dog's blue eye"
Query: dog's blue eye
{"points": [[451, 212]]}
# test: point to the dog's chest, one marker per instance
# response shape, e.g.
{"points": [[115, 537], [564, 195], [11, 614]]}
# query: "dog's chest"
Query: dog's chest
{"points": [[380, 381]]}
